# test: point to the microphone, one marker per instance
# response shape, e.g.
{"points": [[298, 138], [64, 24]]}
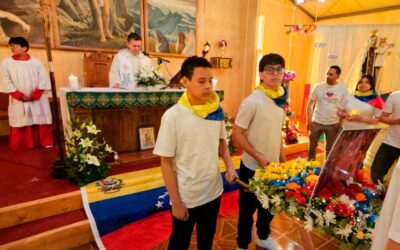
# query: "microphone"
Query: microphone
{"points": [[145, 53], [161, 60]]}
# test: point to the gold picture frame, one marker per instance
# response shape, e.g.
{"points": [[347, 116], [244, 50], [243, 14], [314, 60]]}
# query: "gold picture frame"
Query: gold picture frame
{"points": [[146, 138]]}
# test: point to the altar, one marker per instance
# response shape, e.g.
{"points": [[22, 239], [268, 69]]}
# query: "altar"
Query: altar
{"points": [[119, 113]]}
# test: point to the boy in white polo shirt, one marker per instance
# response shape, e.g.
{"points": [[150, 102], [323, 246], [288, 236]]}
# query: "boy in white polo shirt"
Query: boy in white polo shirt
{"points": [[389, 151], [257, 130], [191, 136]]}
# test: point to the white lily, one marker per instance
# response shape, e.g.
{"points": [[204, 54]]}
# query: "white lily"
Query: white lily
{"points": [[77, 133], [91, 159], [108, 149], [92, 129], [86, 142]]}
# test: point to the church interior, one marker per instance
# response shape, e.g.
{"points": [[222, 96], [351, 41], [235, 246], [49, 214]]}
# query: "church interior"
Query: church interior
{"points": [[40, 210]]}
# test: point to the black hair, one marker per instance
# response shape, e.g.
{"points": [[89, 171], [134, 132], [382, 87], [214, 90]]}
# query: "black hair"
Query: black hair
{"points": [[271, 59], [370, 79], [337, 68], [134, 36], [191, 63], [19, 41]]}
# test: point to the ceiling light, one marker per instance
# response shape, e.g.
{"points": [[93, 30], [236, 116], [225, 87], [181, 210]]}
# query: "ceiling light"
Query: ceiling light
{"points": [[299, 1]]}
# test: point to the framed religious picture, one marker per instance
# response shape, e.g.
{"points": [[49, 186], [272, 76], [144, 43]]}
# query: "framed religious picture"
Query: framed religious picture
{"points": [[21, 18], [171, 27], [97, 25], [146, 138]]}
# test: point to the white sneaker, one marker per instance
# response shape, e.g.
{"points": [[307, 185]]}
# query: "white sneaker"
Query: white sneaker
{"points": [[268, 243]]}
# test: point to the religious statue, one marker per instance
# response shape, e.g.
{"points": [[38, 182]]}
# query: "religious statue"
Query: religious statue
{"points": [[368, 65], [380, 54]]}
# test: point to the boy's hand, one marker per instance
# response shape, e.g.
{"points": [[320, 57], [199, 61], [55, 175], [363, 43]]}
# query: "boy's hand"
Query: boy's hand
{"points": [[262, 161], [180, 211], [231, 175]]}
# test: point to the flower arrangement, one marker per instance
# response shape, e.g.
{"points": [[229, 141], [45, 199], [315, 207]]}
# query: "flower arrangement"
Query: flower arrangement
{"points": [[85, 153], [291, 133], [150, 77], [346, 210]]}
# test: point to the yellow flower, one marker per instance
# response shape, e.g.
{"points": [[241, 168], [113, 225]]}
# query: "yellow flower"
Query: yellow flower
{"points": [[311, 178], [315, 164], [274, 176], [360, 235], [293, 172]]}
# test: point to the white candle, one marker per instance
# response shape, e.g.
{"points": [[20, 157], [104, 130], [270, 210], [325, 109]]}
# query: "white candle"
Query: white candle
{"points": [[73, 82], [214, 83]]}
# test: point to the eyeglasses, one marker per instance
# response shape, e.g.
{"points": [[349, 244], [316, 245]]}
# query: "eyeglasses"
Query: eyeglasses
{"points": [[271, 70]]}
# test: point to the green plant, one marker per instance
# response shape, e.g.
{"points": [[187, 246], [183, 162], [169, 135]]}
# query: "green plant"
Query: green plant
{"points": [[85, 157]]}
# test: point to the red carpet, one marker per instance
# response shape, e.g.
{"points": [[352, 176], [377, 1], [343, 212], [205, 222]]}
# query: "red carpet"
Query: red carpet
{"points": [[151, 231], [26, 174]]}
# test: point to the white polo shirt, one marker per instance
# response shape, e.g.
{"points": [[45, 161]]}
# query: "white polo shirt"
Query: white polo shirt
{"points": [[263, 121], [193, 142], [392, 106]]}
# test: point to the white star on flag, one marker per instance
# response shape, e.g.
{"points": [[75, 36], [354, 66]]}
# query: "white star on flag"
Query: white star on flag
{"points": [[159, 204]]}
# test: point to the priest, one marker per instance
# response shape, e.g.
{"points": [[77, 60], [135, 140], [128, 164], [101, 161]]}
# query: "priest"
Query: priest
{"points": [[127, 63], [29, 111]]}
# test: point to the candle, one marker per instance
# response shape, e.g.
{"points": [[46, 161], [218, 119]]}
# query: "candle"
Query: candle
{"points": [[73, 82], [214, 83]]}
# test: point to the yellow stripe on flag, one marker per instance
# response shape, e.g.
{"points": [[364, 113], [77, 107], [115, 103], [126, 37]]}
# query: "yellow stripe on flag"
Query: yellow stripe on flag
{"points": [[138, 181]]}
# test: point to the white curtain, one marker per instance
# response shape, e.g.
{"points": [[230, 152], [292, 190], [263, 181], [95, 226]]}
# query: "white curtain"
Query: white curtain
{"points": [[347, 45]]}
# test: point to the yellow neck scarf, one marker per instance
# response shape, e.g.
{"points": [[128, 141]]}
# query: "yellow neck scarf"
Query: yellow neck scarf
{"points": [[201, 110], [367, 93], [271, 93]]}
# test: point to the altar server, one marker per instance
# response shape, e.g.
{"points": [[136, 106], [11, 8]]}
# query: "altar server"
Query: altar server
{"points": [[127, 63], [191, 136], [29, 112]]}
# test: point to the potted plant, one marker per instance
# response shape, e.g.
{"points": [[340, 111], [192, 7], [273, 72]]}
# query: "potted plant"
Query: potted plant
{"points": [[85, 153]]}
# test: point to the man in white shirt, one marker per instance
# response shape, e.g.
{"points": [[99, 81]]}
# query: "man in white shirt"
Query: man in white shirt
{"points": [[322, 111], [389, 151], [127, 63]]}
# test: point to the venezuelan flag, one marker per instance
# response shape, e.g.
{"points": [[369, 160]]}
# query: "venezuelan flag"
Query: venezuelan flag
{"points": [[116, 202]]}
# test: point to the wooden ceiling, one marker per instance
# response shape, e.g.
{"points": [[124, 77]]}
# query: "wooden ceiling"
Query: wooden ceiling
{"points": [[341, 8]]}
